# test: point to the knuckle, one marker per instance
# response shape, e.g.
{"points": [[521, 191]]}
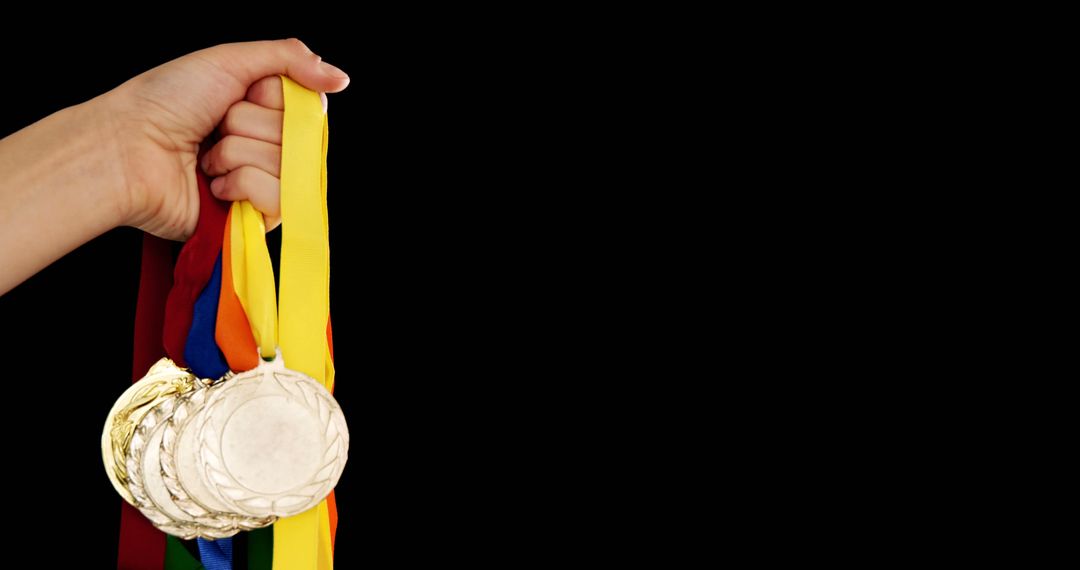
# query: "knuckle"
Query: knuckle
{"points": [[245, 177], [228, 151], [230, 123], [220, 190], [257, 91], [296, 45]]}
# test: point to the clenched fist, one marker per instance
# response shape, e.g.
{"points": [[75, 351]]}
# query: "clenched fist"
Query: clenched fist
{"points": [[161, 116]]}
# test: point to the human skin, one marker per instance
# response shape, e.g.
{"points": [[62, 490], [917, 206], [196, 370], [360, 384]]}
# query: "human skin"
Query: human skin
{"points": [[127, 157]]}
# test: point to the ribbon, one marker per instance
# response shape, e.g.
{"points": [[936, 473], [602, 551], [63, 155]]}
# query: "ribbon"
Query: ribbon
{"points": [[233, 333], [260, 549], [142, 547], [216, 554], [206, 361], [253, 274], [305, 541], [202, 351], [178, 557]]}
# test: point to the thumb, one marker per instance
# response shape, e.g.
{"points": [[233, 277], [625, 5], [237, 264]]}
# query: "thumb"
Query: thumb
{"points": [[249, 62]]}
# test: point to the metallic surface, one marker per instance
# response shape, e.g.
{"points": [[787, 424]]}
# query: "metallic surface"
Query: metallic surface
{"points": [[271, 441], [164, 380]]}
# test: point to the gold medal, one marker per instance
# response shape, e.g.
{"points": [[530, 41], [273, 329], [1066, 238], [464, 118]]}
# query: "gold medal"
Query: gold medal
{"points": [[165, 380]]}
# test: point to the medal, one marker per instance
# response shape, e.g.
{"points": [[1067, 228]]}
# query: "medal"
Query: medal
{"points": [[272, 442]]}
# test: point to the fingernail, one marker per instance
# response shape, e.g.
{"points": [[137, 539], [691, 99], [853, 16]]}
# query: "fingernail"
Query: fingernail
{"points": [[332, 71], [205, 162], [325, 102], [217, 184]]}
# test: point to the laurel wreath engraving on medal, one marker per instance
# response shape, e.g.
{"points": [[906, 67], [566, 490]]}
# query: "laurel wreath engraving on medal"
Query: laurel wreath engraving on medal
{"points": [[301, 390], [146, 506], [134, 460], [184, 409]]}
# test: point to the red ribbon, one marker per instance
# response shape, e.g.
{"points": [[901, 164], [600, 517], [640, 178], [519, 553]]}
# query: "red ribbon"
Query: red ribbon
{"points": [[142, 547]]}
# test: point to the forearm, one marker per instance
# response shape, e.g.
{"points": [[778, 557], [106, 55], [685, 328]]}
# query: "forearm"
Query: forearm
{"points": [[60, 184]]}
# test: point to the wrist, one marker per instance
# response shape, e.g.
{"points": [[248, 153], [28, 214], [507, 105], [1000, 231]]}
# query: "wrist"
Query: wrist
{"points": [[104, 116]]}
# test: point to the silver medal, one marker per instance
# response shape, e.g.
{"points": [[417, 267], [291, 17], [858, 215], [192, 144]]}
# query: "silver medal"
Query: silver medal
{"points": [[273, 442]]}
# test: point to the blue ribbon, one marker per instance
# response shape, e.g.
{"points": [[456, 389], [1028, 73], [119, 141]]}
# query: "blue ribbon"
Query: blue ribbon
{"points": [[216, 554], [206, 361], [202, 352]]}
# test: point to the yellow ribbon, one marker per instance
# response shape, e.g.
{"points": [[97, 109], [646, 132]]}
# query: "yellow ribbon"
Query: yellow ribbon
{"points": [[301, 542], [253, 275]]}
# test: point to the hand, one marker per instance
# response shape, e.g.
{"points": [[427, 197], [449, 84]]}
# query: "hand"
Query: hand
{"points": [[159, 119]]}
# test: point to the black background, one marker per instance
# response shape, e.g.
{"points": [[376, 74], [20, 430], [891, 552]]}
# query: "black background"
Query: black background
{"points": [[68, 330]]}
